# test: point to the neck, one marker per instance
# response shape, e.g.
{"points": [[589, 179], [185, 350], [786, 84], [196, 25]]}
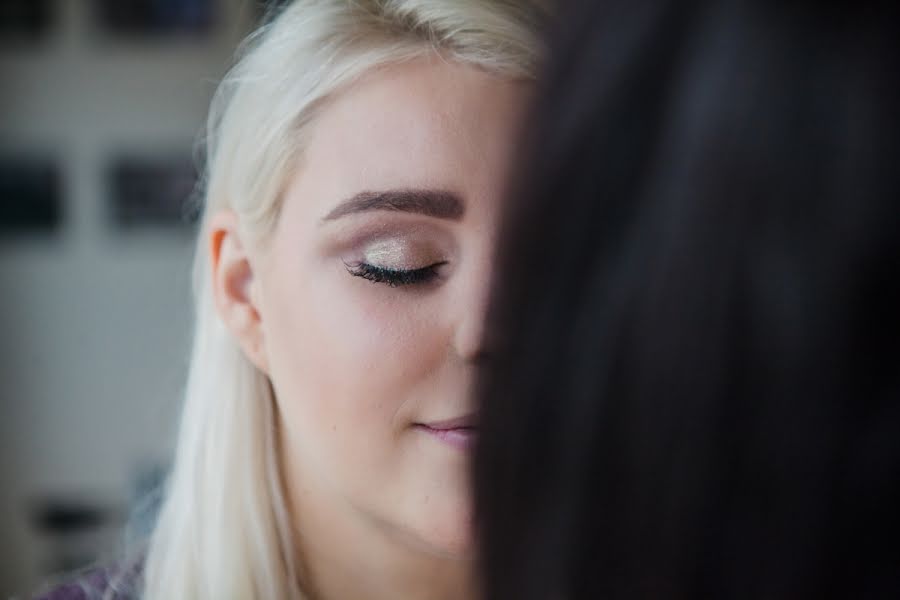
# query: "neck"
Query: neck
{"points": [[347, 555]]}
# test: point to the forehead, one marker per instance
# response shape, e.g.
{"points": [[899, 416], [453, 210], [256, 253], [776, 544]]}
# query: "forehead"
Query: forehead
{"points": [[427, 123]]}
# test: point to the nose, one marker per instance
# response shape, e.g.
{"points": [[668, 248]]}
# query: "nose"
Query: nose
{"points": [[471, 310]]}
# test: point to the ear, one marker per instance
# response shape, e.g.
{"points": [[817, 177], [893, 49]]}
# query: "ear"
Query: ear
{"points": [[235, 289]]}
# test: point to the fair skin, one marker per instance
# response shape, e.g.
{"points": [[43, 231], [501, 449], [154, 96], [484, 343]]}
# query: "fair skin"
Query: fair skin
{"points": [[364, 308]]}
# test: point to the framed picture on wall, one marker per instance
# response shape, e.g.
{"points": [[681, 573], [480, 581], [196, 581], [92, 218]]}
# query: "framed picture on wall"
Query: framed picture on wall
{"points": [[23, 20], [152, 18], [74, 532], [30, 195], [151, 191]]}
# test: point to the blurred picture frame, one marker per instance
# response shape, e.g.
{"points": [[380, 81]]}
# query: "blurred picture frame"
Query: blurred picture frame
{"points": [[24, 20], [155, 192], [30, 196], [156, 18]]}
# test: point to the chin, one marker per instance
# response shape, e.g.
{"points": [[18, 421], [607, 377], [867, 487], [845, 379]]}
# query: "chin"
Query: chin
{"points": [[449, 531], [458, 547]]}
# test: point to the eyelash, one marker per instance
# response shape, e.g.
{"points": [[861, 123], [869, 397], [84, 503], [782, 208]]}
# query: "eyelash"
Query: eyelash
{"points": [[395, 277]]}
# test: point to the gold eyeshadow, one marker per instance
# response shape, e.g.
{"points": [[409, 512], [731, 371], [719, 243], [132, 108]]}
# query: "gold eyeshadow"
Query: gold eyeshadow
{"points": [[400, 253]]}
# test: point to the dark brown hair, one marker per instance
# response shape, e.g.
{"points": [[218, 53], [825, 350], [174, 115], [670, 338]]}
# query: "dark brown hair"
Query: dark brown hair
{"points": [[693, 384]]}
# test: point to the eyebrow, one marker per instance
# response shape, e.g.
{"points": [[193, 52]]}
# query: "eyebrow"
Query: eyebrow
{"points": [[433, 203]]}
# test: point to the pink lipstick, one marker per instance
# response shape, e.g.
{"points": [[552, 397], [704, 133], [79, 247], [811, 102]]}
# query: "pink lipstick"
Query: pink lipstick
{"points": [[458, 433]]}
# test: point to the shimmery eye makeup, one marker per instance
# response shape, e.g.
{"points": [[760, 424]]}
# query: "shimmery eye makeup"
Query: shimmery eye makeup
{"points": [[397, 260], [395, 254]]}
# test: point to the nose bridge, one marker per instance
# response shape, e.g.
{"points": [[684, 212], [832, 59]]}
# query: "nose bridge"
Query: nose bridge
{"points": [[471, 302]]}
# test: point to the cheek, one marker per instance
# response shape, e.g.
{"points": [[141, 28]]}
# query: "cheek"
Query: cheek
{"points": [[346, 355]]}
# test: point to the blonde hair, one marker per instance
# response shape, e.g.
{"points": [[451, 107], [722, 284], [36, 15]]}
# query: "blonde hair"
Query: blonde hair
{"points": [[224, 530]]}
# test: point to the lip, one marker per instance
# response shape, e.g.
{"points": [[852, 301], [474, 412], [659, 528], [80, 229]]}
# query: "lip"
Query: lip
{"points": [[458, 433], [469, 421]]}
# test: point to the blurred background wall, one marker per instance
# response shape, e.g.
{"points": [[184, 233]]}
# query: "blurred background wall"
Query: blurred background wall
{"points": [[101, 103]]}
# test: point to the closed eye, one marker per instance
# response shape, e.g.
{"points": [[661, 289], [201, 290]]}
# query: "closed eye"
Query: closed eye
{"points": [[395, 277]]}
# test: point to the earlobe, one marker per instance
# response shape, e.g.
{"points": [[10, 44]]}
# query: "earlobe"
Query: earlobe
{"points": [[234, 286]]}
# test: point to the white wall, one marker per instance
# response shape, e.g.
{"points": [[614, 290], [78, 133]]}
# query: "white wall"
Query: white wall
{"points": [[95, 322]]}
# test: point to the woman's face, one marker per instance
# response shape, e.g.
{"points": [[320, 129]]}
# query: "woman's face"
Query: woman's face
{"points": [[370, 296]]}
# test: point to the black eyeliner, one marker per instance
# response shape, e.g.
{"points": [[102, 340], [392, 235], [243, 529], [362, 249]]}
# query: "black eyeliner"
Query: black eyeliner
{"points": [[394, 277]]}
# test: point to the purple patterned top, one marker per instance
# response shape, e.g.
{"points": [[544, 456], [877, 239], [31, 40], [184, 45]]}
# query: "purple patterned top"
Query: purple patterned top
{"points": [[94, 585]]}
